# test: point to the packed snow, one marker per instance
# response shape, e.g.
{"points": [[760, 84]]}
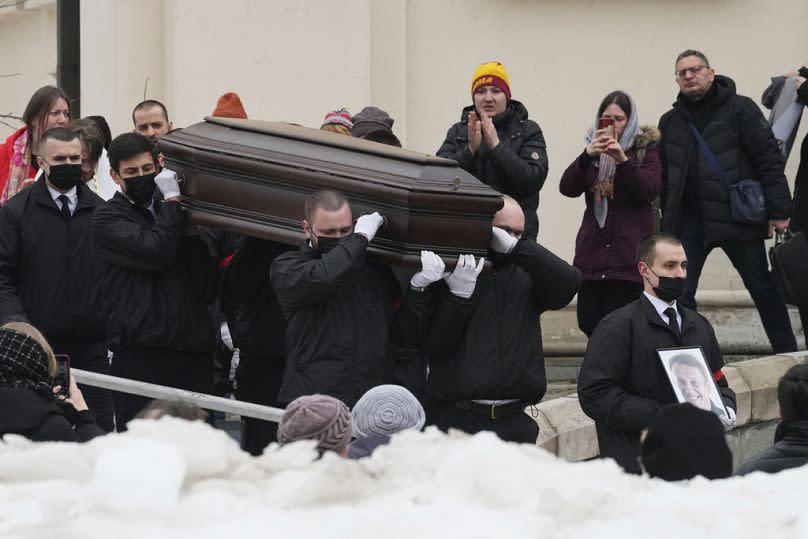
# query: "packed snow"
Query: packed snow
{"points": [[176, 479]]}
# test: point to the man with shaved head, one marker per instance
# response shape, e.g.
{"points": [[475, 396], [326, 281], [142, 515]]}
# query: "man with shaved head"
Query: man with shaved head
{"points": [[486, 360]]}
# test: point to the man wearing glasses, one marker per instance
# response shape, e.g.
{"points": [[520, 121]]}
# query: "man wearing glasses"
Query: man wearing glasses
{"points": [[695, 201]]}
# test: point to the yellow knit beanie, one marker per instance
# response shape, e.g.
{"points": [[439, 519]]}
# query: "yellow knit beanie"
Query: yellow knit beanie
{"points": [[491, 74]]}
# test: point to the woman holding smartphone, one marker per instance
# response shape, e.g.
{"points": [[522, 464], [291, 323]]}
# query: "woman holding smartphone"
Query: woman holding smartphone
{"points": [[30, 405], [619, 175]]}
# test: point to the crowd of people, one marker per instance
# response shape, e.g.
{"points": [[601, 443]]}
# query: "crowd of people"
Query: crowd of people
{"points": [[98, 263]]}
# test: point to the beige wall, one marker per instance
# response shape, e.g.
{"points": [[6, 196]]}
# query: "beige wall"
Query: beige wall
{"points": [[295, 60], [27, 56]]}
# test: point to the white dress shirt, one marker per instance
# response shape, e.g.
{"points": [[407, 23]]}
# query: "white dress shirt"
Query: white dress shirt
{"points": [[660, 307], [72, 198]]}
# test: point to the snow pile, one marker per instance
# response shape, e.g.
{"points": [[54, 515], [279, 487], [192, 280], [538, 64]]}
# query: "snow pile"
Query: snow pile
{"points": [[174, 479]]}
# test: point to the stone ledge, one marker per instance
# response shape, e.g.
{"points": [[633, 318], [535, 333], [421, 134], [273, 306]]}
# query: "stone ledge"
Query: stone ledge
{"points": [[570, 434]]}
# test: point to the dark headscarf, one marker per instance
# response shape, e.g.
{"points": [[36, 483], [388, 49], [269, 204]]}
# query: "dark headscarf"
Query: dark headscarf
{"points": [[24, 363]]}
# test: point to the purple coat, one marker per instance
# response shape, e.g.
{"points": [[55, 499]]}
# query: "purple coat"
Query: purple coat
{"points": [[609, 252]]}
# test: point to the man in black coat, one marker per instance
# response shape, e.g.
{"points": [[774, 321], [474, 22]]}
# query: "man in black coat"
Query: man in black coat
{"points": [[485, 354], [622, 384], [497, 143], [157, 283], [790, 448], [695, 202], [340, 310], [47, 273], [258, 331]]}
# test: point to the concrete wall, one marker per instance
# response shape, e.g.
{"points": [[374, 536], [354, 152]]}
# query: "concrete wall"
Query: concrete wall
{"points": [[568, 433], [27, 56]]}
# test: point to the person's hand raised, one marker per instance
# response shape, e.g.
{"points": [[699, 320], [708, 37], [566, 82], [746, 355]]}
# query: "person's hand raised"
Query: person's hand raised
{"points": [[615, 151], [489, 131], [599, 142], [475, 133]]}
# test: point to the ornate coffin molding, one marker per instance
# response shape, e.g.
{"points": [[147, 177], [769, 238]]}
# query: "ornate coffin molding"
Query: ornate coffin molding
{"points": [[253, 177]]}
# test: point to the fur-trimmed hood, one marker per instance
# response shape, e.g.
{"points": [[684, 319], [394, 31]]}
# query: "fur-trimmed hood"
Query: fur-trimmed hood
{"points": [[648, 135]]}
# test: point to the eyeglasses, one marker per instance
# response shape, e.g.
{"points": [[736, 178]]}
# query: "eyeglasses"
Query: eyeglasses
{"points": [[682, 73]]}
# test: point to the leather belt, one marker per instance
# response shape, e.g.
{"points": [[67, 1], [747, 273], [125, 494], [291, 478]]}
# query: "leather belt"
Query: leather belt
{"points": [[492, 411]]}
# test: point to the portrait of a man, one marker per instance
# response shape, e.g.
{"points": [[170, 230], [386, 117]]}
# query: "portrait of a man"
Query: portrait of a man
{"points": [[691, 380]]}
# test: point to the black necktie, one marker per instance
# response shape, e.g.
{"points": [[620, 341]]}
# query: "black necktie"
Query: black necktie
{"points": [[670, 312], [63, 200]]}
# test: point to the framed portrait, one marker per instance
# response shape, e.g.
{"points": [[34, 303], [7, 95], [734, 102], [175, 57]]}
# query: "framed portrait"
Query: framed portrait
{"points": [[691, 378]]}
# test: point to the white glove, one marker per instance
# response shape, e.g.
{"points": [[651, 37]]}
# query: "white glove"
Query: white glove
{"points": [[464, 278], [729, 422], [431, 270], [368, 225], [501, 241], [167, 183]]}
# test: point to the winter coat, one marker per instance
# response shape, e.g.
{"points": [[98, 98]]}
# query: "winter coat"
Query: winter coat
{"points": [[489, 346], [742, 141], [609, 252], [799, 219], [24, 412], [48, 275], [254, 315], [157, 283], [790, 450], [339, 313], [622, 384], [516, 167]]}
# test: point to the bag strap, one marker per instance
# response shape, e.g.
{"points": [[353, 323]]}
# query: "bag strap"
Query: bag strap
{"points": [[708, 154]]}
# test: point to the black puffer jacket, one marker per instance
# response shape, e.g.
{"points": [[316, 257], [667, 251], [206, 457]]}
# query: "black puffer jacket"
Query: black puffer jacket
{"points": [[489, 346], [47, 271], [340, 320], [157, 283], [742, 141], [516, 167], [24, 412], [622, 384], [790, 450]]}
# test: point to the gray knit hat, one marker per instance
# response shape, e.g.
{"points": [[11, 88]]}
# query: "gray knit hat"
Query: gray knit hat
{"points": [[374, 124], [386, 410], [316, 417]]}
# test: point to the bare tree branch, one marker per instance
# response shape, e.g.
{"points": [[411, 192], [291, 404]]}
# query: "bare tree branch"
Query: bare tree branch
{"points": [[9, 125], [9, 75], [10, 117], [145, 87]]}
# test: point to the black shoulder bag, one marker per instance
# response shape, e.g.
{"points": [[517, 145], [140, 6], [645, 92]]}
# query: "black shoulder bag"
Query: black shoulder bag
{"points": [[747, 204]]}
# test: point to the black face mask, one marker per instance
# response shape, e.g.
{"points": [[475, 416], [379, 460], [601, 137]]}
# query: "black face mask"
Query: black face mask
{"points": [[325, 244], [669, 288], [140, 189], [64, 176]]}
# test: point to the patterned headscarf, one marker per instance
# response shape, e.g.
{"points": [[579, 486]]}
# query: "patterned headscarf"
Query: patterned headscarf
{"points": [[24, 363]]}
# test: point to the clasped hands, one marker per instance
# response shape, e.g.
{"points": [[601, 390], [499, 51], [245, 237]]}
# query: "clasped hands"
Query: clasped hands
{"points": [[480, 130]]}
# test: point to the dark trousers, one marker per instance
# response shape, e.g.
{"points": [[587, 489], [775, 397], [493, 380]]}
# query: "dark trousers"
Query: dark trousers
{"points": [[259, 381], [518, 427], [192, 371], [91, 356], [749, 258], [596, 299]]}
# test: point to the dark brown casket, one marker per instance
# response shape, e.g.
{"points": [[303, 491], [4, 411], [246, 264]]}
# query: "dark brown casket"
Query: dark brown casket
{"points": [[253, 177]]}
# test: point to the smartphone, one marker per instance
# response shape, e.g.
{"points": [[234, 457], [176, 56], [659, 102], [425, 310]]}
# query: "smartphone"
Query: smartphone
{"points": [[608, 125], [62, 377]]}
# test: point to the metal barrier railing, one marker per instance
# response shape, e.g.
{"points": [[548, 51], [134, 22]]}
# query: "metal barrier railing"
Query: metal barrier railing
{"points": [[154, 391]]}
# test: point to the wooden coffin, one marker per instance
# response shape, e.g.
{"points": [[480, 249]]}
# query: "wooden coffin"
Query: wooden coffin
{"points": [[253, 177]]}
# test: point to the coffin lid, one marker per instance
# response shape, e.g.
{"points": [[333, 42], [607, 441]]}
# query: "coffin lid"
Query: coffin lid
{"points": [[327, 138]]}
